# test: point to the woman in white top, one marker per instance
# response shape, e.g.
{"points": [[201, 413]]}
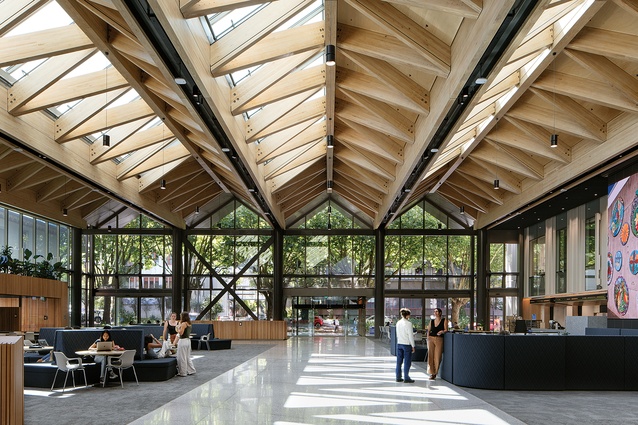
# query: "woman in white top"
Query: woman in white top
{"points": [[405, 346]]}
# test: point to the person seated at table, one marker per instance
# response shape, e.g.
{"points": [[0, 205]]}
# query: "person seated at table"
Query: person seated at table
{"points": [[106, 336], [170, 330], [151, 343]]}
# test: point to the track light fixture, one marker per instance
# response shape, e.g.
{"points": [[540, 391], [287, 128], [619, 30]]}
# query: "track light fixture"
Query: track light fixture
{"points": [[65, 212], [197, 209], [163, 184], [179, 80], [497, 184], [197, 95], [462, 209], [553, 141], [330, 140], [109, 229], [106, 140], [331, 55], [330, 183]]}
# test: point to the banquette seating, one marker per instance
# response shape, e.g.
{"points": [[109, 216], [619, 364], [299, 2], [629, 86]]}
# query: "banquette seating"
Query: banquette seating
{"points": [[202, 329], [47, 334], [69, 341]]}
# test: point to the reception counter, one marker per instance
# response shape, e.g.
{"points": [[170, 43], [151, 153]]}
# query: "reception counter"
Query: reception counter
{"points": [[541, 362]]}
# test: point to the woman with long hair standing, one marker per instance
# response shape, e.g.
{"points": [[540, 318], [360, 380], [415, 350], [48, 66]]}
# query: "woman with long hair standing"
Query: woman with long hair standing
{"points": [[436, 329], [184, 362], [169, 328]]}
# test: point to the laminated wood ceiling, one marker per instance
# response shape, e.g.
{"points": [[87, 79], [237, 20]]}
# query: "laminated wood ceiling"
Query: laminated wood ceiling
{"points": [[394, 105]]}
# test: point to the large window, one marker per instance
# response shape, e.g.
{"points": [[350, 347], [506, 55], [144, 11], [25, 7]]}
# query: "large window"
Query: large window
{"points": [[590, 255], [328, 248], [537, 261], [503, 266], [229, 267], [130, 272], [424, 257], [561, 253]]}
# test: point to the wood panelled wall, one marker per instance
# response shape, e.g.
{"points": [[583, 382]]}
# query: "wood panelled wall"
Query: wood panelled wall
{"points": [[260, 329], [44, 301], [11, 380]]}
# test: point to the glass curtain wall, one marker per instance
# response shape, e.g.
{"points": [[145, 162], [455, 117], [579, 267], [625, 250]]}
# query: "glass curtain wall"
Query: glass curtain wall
{"points": [[26, 236], [591, 244], [328, 248], [503, 276], [561, 253], [229, 267], [432, 259], [129, 271], [537, 260]]}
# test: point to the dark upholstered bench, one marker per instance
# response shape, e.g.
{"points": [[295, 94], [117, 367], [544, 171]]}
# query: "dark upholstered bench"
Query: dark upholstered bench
{"points": [[156, 330], [201, 329], [152, 370], [219, 344], [40, 375], [72, 340], [32, 357]]}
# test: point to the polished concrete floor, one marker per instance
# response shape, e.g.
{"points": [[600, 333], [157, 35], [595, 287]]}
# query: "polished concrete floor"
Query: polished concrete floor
{"points": [[325, 380]]}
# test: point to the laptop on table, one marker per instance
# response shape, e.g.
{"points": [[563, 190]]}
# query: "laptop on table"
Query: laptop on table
{"points": [[105, 346]]}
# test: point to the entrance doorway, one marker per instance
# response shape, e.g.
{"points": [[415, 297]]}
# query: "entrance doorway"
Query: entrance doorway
{"points": [[326, 316]]}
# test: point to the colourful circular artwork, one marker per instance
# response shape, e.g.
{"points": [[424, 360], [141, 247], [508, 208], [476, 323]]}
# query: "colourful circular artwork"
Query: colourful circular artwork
{"points": [[634, 216], [610, 268], [621, 295], [633, 262], [617, 215], [618, 261], [624, 233]]}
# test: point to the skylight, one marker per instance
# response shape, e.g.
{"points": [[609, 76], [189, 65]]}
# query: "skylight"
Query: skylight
{"points": [[50, 16], [97, 62], [311, 14], [222, 23]]}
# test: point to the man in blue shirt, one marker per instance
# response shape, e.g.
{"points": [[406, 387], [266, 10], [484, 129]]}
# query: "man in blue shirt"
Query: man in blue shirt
{"points": [[405, 346]]}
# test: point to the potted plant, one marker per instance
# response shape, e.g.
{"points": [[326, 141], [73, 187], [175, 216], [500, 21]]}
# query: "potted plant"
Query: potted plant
{"points": [[31, 265]]}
